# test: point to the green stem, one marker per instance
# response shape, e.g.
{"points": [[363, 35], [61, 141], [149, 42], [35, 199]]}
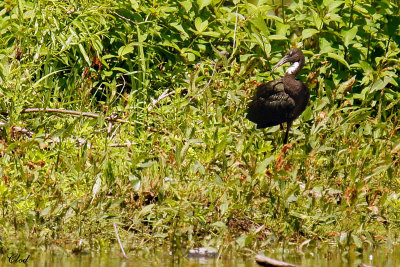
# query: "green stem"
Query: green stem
{"points": [[351, 13]]}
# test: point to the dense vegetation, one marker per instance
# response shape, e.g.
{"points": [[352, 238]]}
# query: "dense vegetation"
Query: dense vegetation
{"points": [[191, 171]]}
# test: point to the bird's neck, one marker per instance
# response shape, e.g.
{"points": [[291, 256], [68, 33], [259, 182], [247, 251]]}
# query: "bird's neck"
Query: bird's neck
{"points": [[295, 67]]}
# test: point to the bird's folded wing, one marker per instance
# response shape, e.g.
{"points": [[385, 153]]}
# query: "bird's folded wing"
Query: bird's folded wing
{"points": [[267, 89], [272, 110]]}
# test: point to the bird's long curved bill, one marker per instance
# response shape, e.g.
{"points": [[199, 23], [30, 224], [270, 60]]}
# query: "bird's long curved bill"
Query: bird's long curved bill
{"points": [[280, 63]]}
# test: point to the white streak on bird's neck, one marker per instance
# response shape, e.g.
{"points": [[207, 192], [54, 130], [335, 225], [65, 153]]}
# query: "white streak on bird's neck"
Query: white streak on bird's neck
{"points": [[292, 69]]}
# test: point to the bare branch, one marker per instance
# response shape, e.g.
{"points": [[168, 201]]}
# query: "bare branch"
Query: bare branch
{"points": [[165, 94], [74, 112], [119, 240], [122, 17]]}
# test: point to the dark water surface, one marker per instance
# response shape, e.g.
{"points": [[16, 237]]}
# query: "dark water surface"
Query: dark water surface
{"points": [[331, 258]]}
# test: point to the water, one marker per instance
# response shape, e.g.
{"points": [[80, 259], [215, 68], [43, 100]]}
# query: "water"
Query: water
{"points": [[331, 258]]}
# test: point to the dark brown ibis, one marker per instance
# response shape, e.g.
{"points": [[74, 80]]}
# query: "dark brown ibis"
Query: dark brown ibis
{"points": [[281, 100]]}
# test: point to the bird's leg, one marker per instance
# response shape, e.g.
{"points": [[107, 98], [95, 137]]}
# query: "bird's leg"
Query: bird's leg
{"points": [[289, 124]]}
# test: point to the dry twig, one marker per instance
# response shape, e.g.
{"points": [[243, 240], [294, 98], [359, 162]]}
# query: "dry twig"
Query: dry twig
{"points": [[119, 240]]}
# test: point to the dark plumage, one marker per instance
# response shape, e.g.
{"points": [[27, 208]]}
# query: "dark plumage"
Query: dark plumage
{"points": [[281, 100]]}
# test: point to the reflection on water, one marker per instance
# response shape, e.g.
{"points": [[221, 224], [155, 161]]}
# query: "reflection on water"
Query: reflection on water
{"points": [[382, 257]]}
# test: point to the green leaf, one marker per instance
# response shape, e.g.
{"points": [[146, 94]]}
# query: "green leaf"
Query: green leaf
{"points": [[349, 36], [339, 58], [203, 3], [212, 34], [259, 22], [126, 49], [307, 33], [179, 28], [200, 25], [380, 84], [119, 69], [146, 209], [276, 18], [318, 23], [332, 4], [84, 54], [357, 241], [282, 28], [277, 37], [260, 169], [366, 66], [325, 46], [187, 5]]}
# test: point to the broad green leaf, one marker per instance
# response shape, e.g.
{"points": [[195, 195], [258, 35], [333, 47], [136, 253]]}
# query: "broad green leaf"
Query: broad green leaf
{"points": [[357, 241], [187, 5], [261, 167], [119, 69], [380, 84], [343, 238], [361, 9], [170, 44], [200, 25], [259, 22], [325, 46], [318, 23], [348, 36], [282, 28], [179, 28], [108, 56], [126, 49], [366, 66], [203, 3], [276, 18], [307, 33], [339, 58], [134, 4], [332, 4], [224, 207]]}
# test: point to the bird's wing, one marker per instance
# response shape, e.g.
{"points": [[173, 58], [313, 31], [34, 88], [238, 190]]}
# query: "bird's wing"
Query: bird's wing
{"points": [[272, 110], [267, 89]]}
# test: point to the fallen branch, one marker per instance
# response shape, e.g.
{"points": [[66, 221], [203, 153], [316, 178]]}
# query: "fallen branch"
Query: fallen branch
{"points": [[127, 144], [85, 114], [119, 240], [76, 113], [265, 261]]}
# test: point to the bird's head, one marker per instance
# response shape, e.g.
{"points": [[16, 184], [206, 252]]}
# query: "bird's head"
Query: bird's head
{"points": [[294, 56]]}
